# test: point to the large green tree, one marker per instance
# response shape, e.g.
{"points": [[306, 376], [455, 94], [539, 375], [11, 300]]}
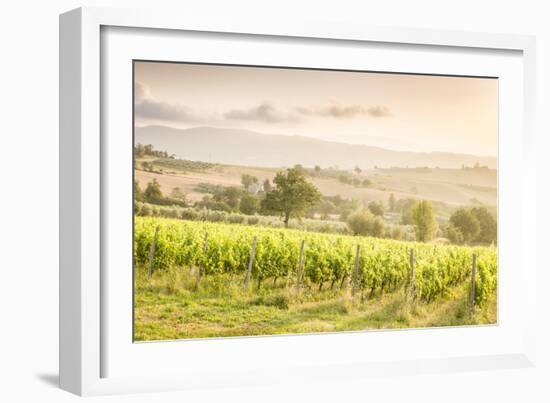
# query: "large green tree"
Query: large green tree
{"points": [[152, 193], [292, 194], [423, 219], [466, 223], [487, 225]]}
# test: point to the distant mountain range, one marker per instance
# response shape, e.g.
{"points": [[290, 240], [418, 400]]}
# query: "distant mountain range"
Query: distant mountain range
{"points": [[244, 147]]}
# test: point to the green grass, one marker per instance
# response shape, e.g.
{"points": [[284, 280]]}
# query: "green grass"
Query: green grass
{"points": [[167, 306]]}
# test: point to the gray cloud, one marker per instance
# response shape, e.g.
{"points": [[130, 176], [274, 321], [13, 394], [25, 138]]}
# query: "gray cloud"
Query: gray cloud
{"points": [[344, 112], [162, 111], [146, 106], [379, 111], [264, 112]]}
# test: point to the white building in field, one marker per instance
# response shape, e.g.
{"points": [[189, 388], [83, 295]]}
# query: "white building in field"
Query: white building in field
{"points": [[254, 188]]}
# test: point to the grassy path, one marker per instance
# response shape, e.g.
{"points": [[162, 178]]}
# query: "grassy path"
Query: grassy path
{"points": [[167, 307]]}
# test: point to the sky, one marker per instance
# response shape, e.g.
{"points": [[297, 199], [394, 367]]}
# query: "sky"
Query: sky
{"points": [[395, 111]]}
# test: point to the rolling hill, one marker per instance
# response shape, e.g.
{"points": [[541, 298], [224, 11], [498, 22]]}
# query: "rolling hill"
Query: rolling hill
{"points": [[243, 147]]}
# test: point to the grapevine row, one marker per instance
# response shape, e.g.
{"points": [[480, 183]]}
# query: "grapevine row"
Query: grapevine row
{"points": [[383, 266]]}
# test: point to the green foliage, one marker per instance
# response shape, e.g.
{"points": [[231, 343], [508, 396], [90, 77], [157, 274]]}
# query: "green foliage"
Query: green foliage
{"points": [[424, 220], [178, 194], [366, 183], [183, 165], [486, 279], [391, 202], [247, 180], [138, 193], [220, 215], [487, 225], [454, 235], [230, 195], [329, 258], [249, 204], [267, 185], [406, 206], [292, 194], [363, 222], [204, 187], [464, 221], [152, 193], [141, 150], [376, 208]]}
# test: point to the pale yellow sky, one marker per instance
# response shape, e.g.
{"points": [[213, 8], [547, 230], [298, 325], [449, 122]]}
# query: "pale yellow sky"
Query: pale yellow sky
{"points": [[395, 111]]}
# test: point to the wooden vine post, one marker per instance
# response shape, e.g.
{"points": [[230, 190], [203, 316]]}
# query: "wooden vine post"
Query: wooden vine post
{"points": [[249, 271], [201, 268], [300, 264], [473, 284], [355, 271], [410, 293], [152, 253]]}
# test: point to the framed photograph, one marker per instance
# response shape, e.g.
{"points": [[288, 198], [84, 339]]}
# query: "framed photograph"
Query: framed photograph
{"points": [[244, 202]]}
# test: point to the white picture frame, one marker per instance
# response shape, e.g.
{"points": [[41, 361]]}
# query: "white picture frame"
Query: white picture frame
{"points": [[93, 347]]}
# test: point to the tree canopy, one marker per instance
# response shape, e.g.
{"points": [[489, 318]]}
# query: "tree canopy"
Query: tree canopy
{"points": [[423, 218], [292, 194], [468, 225]]}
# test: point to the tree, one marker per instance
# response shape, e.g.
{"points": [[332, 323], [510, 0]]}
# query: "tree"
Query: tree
{"points": [[267, 185], [178, 194], [138, 193], [292, 194], [423, 218], [317, 170], [249, 204], [487, 225], [230, 195], [363, 222], [467, 223], [391, 202], [406, 211], [454, 235], [152, 193], [357, 170], [247, 180], [376, 208], [366, 183]]}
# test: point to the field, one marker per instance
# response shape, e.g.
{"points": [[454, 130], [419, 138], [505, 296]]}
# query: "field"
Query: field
{"points": [[455, 187], [298, 282]]}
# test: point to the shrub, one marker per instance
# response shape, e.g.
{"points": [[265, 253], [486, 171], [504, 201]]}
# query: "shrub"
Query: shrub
{"points": [[252, 220], [236, 219], [280, 301], [189, 214]]}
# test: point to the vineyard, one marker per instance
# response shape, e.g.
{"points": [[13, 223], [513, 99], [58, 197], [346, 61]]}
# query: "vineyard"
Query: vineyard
{"points": [[259, 260]]}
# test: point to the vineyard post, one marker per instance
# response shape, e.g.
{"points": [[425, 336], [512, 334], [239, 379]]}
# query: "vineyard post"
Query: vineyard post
{"points": [[199, 273], [152, 253], [473, 284], [300, 263], [410, 295], [355, 271], [249, 272]]}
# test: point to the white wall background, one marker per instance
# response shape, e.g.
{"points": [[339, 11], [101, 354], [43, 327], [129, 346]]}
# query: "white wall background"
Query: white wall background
{"points": [[29, 202]]}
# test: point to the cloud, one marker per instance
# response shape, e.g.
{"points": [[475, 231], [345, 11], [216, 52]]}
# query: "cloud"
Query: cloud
{"points": [[379, 111], [265, 112], [162, 111], [141, 92], [146, 106], [344, 112]]}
